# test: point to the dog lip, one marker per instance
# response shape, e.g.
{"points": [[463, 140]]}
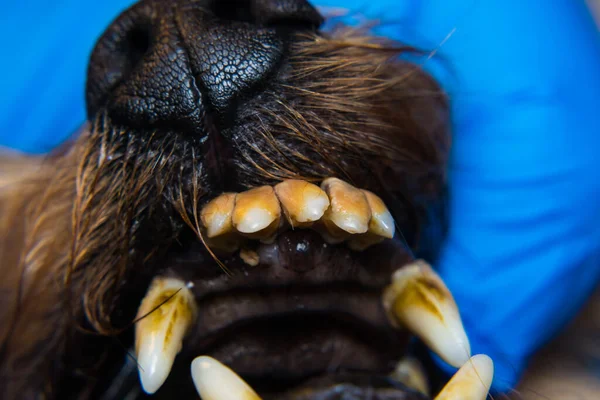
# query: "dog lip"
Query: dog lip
{"points": [[230, 310], [296, 332], [282, 336], [329, 292]]}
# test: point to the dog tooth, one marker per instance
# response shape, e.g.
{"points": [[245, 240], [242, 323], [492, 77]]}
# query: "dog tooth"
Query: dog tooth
{"points": [[349, 209], [382, 222], [419, 300], [302, 202], [216, 215], [165, 316], [471, 382], [381, 225], [410, 372], [216, 219], [215, 381], [250, 257], [256, 213]]}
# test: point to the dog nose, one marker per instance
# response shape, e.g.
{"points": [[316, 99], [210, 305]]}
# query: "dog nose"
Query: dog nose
{"points": [[172, 63]]}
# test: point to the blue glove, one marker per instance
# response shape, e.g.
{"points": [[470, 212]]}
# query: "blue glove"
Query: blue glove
{"points": [[46, 47], [523, 250]]}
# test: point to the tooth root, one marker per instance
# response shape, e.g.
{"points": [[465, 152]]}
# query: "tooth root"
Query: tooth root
{"points": [[418, 299], [256, 213], [330, 232], [471, 382], [364, 241], [228, 243], [167, 313], [302, 202], [215, 381], [349, 210], [410, 372]]}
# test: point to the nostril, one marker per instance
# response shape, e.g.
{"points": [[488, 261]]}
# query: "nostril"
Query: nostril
{"points": [[118, 52], [136, 44]]}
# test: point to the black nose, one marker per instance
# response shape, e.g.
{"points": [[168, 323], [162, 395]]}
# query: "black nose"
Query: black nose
{"points": [[173, 62]]}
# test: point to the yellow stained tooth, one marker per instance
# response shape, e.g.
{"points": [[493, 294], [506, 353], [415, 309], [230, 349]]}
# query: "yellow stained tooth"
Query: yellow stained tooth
{"points": [[216, 215], [302, 202], [349, 210], [471, 382], [165, 316], [419, 300], [410, 372], [381, 225], [215, 381], [250, 257], [256, 213], [216, 219], [382, 222]]}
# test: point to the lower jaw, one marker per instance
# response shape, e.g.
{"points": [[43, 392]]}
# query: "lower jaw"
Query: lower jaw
{"points": [[301, 357], [328, 386]]}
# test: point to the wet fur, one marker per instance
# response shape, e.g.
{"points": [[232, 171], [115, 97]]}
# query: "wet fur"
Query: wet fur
{"points": [[83, 230]]}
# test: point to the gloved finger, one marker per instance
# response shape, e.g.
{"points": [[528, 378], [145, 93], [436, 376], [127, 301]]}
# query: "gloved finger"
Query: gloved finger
{"points": [[46, 46], [522, 251]]}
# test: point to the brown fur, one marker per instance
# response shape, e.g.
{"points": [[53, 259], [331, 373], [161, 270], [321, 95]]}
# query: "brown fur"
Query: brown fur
{"points": [[82, 230]]}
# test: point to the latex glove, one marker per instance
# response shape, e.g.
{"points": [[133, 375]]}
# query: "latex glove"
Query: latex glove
{"points": [[45, 51], [523, 250]]}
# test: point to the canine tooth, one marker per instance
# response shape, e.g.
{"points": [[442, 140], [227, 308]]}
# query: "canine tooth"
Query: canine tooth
{"points": [[410, 372], [256, 213], [349, 209], [471, 382], [418, 299], [215, 381], [165, 316], [216, 215], [382, 222], [302, 202]]}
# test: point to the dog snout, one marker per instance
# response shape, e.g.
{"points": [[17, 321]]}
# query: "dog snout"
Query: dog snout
{"points": [[172, 63]]}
